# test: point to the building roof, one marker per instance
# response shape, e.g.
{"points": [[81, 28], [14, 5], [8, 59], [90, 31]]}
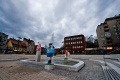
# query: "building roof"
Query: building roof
{"points": [[16, 42], [111, 18], [28, 40], [1, 33], [75, 36]]}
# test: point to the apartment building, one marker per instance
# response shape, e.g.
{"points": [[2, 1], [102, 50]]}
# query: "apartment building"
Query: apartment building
{"points": [[74, 44], [108, 32], [30, 45], [3, 41], [16, 46]]}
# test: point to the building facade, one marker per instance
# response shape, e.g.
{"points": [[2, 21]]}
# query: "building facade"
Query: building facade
{"points": [[3, 42], [108, 33], [30, 45], [16, 46], [74, 44]]}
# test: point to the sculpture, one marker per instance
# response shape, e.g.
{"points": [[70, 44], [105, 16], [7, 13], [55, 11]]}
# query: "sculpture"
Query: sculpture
{"points": [[38, 52], [67, 54], [50, 53]]}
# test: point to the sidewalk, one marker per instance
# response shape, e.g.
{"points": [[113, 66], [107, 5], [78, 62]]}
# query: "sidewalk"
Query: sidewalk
{"points": [[13, 71], [17, 70]]}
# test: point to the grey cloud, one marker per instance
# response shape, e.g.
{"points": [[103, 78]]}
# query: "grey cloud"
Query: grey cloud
{"points": [[39, 19]]}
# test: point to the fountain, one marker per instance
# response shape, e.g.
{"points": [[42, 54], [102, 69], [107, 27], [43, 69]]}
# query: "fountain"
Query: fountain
{"points": [[63, 63]]}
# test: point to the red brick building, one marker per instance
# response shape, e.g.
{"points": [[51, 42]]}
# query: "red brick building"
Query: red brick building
{"points": [[74, 44]]}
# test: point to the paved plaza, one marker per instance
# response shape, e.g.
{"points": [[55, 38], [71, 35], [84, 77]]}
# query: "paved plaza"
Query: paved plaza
{"points": [[11, 68]]}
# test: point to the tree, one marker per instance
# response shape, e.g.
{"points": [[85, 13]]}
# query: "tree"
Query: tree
{"points": [[91, 42]]}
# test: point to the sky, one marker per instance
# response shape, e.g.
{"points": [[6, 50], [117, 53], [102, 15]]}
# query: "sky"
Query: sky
{"points": [[40, 19]]}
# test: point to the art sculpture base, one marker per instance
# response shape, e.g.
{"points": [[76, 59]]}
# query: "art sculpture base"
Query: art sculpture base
{"points": [[49, 66], [38, 56]]}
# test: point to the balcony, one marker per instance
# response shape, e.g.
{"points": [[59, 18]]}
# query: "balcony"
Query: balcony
{"points": [[107, 35], [105, 26], [106, 30], [108, 41]]}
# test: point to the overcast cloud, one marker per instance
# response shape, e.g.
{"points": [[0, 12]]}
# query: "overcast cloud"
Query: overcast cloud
{"points": [[39, 19]]}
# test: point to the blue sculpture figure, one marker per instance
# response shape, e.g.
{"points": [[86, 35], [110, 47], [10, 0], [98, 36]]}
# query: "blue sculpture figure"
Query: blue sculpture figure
{"points": [[50, 52]]}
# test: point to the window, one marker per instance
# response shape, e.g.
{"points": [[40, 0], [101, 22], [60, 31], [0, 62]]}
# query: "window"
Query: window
{"points": [[103, 39], [75, 46], [116, 29], [118, 37], [114, 26], [104, 42], [77, 42], [102, 35], [80, 37], [72, 46], [81, 41], [117, 33]]}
